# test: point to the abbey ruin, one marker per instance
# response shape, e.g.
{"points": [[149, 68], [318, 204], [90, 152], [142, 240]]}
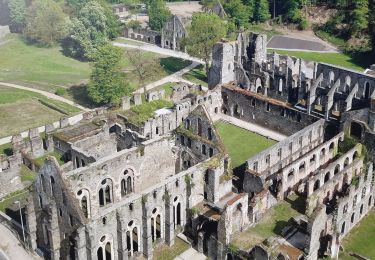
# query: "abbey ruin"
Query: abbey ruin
{"points": [[125, 187]]}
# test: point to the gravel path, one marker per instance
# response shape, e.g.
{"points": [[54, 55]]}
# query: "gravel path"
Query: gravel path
{"points": [[291, 43]]}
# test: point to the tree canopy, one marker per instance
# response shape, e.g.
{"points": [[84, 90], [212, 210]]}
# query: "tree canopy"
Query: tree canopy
{"points": [[205, 30], [45, 22], [17, 13], [107, 82], [158, 14]]}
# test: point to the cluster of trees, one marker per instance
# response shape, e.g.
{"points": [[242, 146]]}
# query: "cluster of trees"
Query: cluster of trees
{"points": [[80, 25], [158, 14]]}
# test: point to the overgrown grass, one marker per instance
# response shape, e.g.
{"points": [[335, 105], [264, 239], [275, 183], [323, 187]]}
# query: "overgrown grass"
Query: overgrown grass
{"points": [[270, 225], [21, 110], [27, 174], [197, 75], [139, 114], [8, 200], [6, 149], [240, 143], [168, 88], [164, 252], [39, 161], [360, 239], [358, 61]]}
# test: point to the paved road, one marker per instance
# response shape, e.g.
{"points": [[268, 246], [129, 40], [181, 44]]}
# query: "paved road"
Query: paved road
{"points": [[11, 248], [153, 48], [290, 43], [254, 128], [44, 93]]}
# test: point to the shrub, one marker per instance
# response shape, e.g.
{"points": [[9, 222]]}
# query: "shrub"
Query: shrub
{"points": [[60, 91]]}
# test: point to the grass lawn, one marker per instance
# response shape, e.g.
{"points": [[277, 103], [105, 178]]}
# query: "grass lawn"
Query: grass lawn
{"points": [[45, 68], [139, 114], [197, 75], [164, 252], [270, 225], [6, 149], [39, 161], [21, 110], [358, 62], [261, 28], [8, 200], [240, 143], [168, 88], [27, 174], [128, 41], [361, 239]]}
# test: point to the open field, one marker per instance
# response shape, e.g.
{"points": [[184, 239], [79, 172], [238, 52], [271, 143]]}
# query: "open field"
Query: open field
{"points": [[360, 239], [45, 68], [21, 110], [240, 143], [358, 62]]}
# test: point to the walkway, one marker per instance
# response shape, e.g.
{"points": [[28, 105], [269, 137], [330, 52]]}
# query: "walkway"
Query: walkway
{"points": [[10, 247], [175, 77], [254, 128], [154, 48], [45, 93]]}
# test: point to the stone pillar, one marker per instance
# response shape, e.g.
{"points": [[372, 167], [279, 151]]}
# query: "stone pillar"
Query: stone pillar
{"points": [[31, 223], [54, 233], [137, 98], [147, 237], [169, 222], [200, 242], [121, 234], [125, 103], [36, 143], [49, 139], [80, 250]]}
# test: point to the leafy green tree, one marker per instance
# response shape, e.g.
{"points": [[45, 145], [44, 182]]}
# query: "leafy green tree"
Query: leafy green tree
{"points": [[205, 30], [372, 24], [261, 11], [238, 12], [87, 32], [45, 22], [158, 14], [134, 24], [107, 81], [360, 16], [17, 13]]}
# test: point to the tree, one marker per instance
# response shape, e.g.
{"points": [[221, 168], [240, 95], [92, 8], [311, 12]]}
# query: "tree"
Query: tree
{"points": [[143, 67], [158, 14], [238, 12], [17, 13], [372, 24], [87, 32], [360, 17], [261, 11], [45, 23], [107, 82], [205, 30]]}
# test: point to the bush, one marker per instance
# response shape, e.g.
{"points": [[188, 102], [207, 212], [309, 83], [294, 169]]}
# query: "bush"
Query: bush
{"points": [[60, 91], [303, 24]]}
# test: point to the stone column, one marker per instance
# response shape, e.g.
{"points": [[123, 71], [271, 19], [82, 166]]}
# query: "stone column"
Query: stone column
{"points": [[31, 223], [169, 222], [80, 250], [54, 233], [147, 237], [121, 234]]}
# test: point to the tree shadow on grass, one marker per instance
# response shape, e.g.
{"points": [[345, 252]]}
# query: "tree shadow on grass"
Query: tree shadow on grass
{"points": [[80, 96], [297, 203], [280, 225], [363, 59], [173, 64]]}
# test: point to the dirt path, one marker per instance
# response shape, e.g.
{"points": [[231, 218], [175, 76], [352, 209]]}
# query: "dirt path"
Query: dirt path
{"points": [[45, 93]]}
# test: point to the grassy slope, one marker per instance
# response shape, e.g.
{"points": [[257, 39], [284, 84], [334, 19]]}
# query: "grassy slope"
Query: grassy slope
{"points": [[197, 75], [357, 62], [360, 239], [20, 110], [240, 143], [44, 67]]}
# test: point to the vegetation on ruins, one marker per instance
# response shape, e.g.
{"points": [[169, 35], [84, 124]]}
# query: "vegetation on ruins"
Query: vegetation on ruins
{"points": [[107, 82], [158, 14], [140, 113], [205, 30]]}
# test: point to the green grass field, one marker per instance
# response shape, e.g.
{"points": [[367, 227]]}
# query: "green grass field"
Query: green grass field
{"points": [[197, 75], [240, 143], [45, 68], [21, 110], [358, 62], [360, 239]]}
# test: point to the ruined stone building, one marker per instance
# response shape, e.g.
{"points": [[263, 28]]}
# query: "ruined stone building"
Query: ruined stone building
{"points": [[126, 186]]}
